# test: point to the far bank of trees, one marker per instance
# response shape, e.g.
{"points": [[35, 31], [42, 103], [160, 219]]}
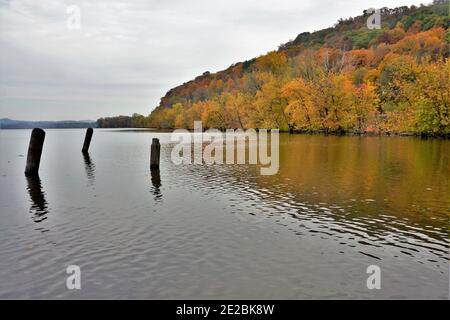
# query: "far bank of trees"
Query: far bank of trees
{"points": [[342, 79], [135, 121]]}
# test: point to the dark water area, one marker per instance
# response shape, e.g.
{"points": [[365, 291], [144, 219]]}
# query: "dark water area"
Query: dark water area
{"points": [[336, 206]]}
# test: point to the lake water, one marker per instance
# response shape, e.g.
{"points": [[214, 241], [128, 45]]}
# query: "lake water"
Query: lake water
{"points": [[337, 206]]}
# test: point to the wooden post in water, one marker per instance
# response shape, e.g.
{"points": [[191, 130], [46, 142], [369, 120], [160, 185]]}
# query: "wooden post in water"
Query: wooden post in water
{"points": [[34, 152], [154, 154], [87, 140]]}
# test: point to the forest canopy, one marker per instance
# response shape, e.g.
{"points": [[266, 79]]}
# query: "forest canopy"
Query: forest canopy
{"points": [[347, 78]]}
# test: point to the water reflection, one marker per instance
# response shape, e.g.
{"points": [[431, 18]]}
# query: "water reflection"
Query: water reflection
{"points": [[156, 184], [337, 205], [39, 206], [370, 194], [89, 166]]}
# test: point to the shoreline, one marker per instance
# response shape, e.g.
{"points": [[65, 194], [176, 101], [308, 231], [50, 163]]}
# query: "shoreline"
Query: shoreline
{"points": [[293, 132], [333, 133]]}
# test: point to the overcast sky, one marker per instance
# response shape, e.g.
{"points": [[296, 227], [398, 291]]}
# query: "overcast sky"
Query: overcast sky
{"points": [[128, 54]]}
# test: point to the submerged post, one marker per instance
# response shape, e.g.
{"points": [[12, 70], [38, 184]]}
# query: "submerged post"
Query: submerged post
{"points": [[154, 154], [35, 151], [87, 140]]}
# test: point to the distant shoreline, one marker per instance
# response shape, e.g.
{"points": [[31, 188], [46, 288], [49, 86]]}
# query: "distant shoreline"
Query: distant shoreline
{"points": [[62, 124], [323, 133], [295, 132]]}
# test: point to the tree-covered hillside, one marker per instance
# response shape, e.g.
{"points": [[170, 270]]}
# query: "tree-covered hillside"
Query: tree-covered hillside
{"points": [[347, 78]]}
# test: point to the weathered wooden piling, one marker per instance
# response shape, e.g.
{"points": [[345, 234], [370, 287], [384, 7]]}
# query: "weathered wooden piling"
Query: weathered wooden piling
{"points": [[87, 140], [156, 178], [154, 154], [35, 152]]}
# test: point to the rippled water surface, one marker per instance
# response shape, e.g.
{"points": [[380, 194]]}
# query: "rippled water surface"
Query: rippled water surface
{"points": [[337, 205]]}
